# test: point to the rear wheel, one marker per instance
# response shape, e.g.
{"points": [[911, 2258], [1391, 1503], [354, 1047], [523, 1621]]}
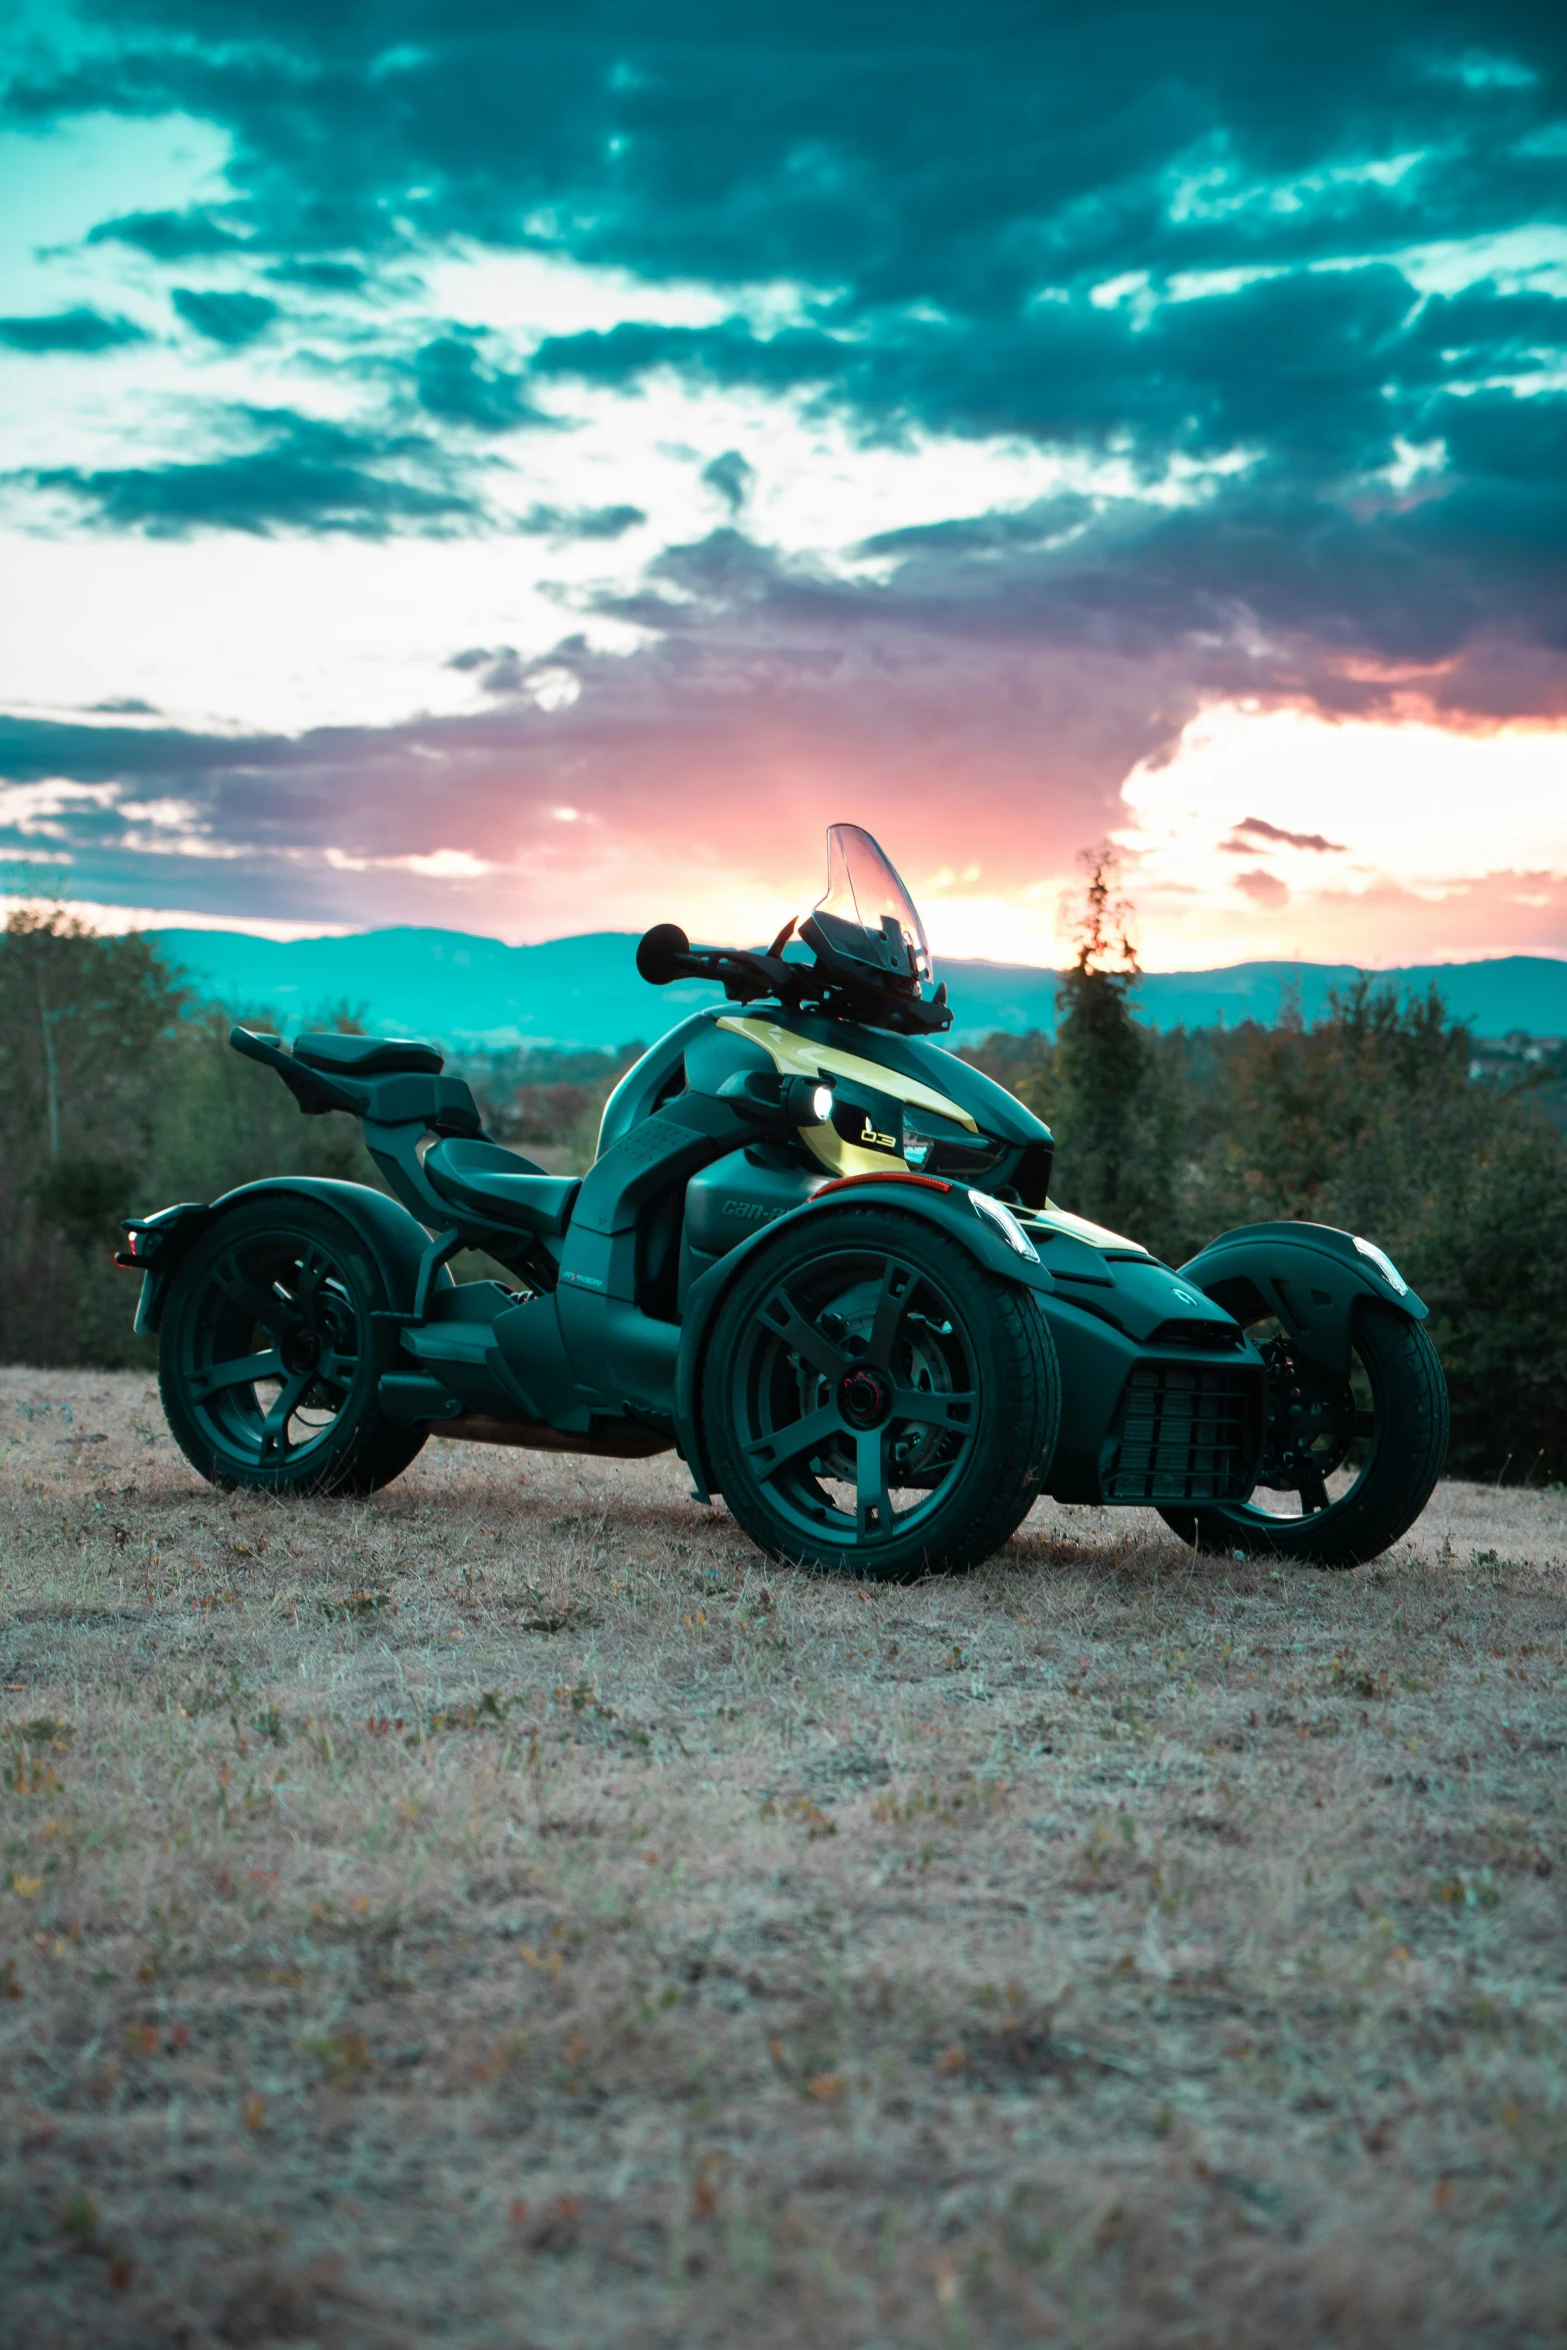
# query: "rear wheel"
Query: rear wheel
{"points": [[1349, 1463], [877, 1404], [269, 1356]]}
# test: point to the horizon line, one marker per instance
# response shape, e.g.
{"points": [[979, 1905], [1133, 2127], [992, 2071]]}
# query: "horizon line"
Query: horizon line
{"points": [[279, 931]]}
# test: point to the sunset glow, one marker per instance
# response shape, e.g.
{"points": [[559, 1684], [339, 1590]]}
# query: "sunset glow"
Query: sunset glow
{"points": [[536, 517]]}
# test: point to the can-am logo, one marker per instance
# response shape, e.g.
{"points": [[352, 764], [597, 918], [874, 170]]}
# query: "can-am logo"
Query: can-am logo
{"points": [[749, 1210]]}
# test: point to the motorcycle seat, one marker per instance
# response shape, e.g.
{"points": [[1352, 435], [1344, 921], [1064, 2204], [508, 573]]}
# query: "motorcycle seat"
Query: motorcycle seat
{"points": [[369, 1056], [499, 1186]]}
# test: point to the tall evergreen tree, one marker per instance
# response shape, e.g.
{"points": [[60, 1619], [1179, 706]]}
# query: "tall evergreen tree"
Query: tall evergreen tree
{"points": [[1113, 1113]]}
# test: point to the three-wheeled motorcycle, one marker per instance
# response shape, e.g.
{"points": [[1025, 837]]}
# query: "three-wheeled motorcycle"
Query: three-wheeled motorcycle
{"points": [[816, 1255]]}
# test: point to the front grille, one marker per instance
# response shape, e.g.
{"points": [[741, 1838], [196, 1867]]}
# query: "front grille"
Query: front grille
{"points": [[1209, 1338], [1185, 1433]]}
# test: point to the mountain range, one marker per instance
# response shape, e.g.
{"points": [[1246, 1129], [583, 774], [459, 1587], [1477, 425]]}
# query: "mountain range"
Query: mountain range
{"points": [[475, 994]]}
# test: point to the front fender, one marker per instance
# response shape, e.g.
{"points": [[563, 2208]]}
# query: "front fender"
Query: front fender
{"points": [[394, 1238], [945, 1205], [1315, 1278]]}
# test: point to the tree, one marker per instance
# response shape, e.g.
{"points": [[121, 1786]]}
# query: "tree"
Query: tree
{"points": [[1113, 1114], [84, 1024], [118, 1094], [1369, 1120]]}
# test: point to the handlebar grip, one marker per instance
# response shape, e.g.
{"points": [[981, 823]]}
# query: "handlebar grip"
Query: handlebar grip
{"points": [[662, 954]]}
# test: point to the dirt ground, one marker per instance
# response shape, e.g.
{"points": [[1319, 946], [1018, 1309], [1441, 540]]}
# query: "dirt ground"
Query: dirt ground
{"points": [[506, 1914]]}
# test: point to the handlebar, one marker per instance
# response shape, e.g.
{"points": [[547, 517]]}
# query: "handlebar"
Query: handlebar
{"points": [[665, 954]]}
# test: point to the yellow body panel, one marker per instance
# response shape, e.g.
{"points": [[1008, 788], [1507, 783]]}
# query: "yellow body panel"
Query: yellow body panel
{"points": [[797, 1056], [1063, 1220]]}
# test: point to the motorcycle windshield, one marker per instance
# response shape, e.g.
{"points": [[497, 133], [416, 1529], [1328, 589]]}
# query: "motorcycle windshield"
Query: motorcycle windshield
{"points": [[867, 913]]}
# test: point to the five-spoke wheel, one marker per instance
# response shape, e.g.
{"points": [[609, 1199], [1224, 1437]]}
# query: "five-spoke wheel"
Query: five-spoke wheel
{"points": [[1349, 1458], [875, 1401], [268, 1356]]}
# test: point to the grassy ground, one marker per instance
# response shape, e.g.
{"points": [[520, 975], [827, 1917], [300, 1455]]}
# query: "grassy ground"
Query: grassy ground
{"points": [[503, 1914]]}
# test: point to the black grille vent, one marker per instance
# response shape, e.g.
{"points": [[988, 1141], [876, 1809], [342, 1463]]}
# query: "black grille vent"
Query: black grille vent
{"points": [[1186, 1433], [1209, 1338]]}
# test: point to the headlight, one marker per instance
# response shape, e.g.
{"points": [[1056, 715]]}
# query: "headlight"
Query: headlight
{"points": [[1384, 1265], [806, 1101], [995, 1211]]}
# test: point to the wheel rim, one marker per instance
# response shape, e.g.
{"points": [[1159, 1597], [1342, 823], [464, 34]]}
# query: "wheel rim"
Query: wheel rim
{"points": [[855, 1398], [1322, 1437], [273, 1350]]}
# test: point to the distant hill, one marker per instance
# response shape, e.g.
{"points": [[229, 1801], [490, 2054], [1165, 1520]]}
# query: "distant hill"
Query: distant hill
{"points": [[477, 993]]}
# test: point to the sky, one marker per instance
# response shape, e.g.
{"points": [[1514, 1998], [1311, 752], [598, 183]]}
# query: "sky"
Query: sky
{"points": [[528, 469]]}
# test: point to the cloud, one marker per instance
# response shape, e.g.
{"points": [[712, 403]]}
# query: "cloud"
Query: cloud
{"points": [[1253, 830], [1206, 265], [170, 236], [812, 705], [451, 383], [302, 474], [582, 522], [232, 319], [1263, 889], [323, 277], [84, 331], [731, 477]]}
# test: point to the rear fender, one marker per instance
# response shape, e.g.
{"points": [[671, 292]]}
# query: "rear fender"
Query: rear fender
{"points": [[396, 1241], [1315, 1278], [944, 1205]]}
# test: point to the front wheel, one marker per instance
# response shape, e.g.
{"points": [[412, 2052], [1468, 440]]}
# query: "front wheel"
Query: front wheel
{"points": [[877, 1404], [269, 1355], [1348, 1464]]}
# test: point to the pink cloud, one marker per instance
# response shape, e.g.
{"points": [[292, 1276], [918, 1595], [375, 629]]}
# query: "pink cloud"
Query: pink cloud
{"points": [[1264, 889]]}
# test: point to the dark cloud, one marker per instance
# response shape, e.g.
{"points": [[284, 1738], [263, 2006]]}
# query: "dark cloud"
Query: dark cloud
{"points": [[84, 331], [232, 319], [940, 158], [1044, 523], [322, 277], [811, 701], [1168, 239], [582, 522], [1253, 831], [452, 383], [1294, 367], [299, 475], [728, 355], [731, 477], [170, 236]]}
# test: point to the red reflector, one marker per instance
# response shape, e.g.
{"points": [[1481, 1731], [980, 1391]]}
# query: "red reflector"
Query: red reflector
{"points": [[893, 1175]]}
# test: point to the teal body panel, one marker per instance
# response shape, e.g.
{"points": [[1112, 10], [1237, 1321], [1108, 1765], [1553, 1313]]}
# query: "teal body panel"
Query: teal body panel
{"points": [[1312, 1276], [394, 1238], [702, 1052], [1101, 1333]]}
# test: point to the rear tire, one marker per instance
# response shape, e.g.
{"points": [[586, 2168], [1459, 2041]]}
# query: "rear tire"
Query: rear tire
{"points": [[877, 1404], [1404, 1442], [270, 1356]]}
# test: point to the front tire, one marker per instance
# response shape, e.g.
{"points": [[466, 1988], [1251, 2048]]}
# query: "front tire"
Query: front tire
{"points": [[270, 1356], [1350, 1463], [877, 1404]]}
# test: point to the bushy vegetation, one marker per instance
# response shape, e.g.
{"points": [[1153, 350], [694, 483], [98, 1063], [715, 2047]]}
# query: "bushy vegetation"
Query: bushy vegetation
{"points": [[118, 1094], [1368, 1118]]}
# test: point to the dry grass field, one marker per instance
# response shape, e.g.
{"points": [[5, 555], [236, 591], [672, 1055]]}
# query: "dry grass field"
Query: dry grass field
{"points": [[504, 1914]]}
